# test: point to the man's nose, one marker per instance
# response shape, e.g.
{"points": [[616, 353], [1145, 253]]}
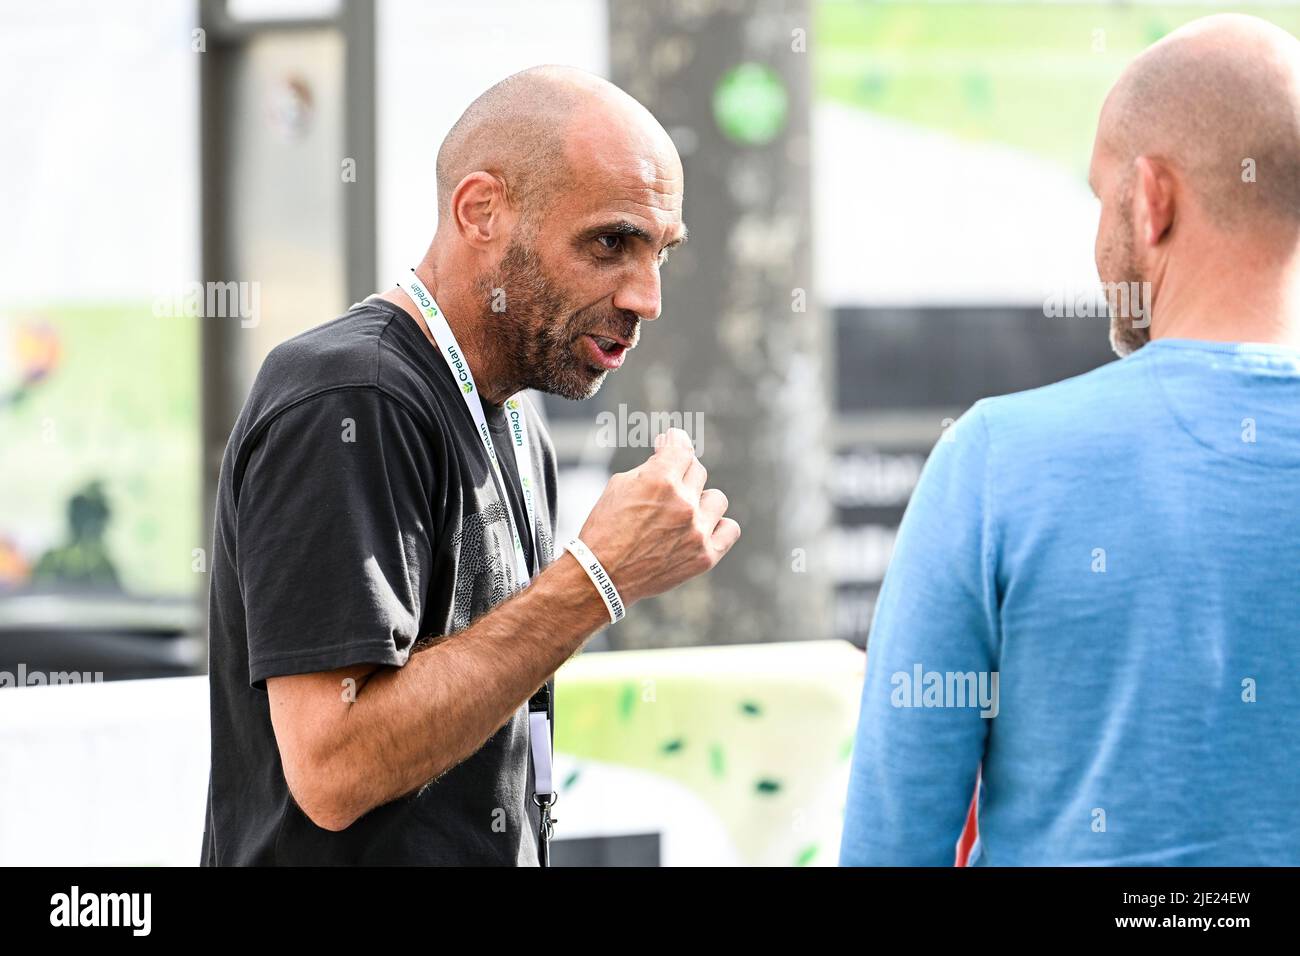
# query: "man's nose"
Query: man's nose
{"points": [[639, 294]]}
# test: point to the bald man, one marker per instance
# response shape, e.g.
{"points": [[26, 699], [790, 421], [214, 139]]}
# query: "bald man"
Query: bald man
{"points": [[379, 673], [1094, 600]]}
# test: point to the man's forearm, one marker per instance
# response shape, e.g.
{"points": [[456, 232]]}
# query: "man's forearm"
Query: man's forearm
{"points": [[654, 527], [411, 724]]}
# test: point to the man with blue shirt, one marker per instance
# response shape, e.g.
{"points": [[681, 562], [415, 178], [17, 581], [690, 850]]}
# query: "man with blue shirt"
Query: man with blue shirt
{"points": [[1093, 606]]}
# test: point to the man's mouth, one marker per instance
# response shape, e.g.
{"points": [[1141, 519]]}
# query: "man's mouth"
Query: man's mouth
{"points": [[607, 352]]}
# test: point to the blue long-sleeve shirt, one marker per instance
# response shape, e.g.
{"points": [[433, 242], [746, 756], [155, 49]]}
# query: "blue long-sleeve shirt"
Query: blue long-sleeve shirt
{"points": [[1122, 549]]}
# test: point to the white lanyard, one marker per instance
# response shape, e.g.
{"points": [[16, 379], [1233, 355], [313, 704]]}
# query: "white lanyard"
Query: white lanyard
{"points": [[539, 724], [455, 359]]}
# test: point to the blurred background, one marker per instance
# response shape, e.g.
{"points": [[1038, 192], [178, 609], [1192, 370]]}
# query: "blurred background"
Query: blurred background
{"points": [[887, 205]]}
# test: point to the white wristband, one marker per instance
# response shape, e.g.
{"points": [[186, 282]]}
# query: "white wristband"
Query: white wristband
{"points": [[599, 577]]}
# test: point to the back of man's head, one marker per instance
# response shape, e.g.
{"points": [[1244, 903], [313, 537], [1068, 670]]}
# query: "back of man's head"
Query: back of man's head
{"points": [[1219, 100], [1197, 165]]}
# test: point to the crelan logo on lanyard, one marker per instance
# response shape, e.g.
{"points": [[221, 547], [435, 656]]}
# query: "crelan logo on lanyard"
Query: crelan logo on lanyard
{"points": [[424, 303], [462, 372], [516, 426]]}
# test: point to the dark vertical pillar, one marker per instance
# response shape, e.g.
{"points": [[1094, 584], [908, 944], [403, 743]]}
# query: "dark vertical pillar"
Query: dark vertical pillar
{"points": [[741, 343]]}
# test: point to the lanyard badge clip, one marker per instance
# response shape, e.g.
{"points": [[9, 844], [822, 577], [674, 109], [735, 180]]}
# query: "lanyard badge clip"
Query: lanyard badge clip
{"points": [[544, 795]]}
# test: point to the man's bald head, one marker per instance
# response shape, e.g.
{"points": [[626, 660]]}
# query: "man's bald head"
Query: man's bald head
{"points": [[522, 130], [1218, 93], [560, 198]]}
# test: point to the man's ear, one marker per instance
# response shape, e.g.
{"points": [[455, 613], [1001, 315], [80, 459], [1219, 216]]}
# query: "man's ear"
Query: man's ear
{"points": [[480, 210], [1153, 200]]}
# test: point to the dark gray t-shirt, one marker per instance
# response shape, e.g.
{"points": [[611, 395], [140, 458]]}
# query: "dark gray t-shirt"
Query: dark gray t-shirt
{"points": [[357, 516]]}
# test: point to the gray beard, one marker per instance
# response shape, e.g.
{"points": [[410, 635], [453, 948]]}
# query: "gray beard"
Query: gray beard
{"points": [[1124, 338], [544, 359]]}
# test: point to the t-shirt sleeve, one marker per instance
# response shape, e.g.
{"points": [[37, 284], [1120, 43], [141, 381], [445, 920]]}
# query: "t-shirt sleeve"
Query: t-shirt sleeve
{"points": [[935, 633], [334, 536]]}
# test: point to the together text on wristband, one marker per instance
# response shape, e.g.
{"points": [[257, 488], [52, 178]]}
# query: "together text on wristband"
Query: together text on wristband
{"points": [[599, 577]]}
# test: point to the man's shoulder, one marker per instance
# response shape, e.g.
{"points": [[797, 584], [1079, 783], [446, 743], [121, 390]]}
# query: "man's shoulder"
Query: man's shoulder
{"points": [[1093, 402], [344, 351], [362, 359], [363, 349], [1058, 435]]}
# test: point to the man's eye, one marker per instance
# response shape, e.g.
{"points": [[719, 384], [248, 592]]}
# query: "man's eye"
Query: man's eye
{"points": [[611, 243]]}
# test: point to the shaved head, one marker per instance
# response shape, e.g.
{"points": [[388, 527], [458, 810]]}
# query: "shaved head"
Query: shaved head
{"points": [[522, 129], [1197, 166], [1219, 99]]}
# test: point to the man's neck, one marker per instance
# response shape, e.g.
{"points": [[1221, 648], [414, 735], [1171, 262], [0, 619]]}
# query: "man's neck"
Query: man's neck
{"points": [[1237, 300], [458, 308]]}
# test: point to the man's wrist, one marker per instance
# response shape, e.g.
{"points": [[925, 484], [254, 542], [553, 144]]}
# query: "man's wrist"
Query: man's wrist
{"points": [[600, 579], [571, 594]]}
